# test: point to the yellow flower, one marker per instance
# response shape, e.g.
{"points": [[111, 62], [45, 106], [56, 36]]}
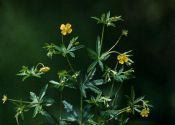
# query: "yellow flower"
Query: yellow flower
{"points": [[44, 69], [65, 29], [122, 58], [144, 112], [124, 32], [4, 99]]}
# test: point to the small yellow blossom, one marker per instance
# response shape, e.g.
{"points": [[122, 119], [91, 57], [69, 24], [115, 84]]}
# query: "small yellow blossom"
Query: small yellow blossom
{"points": [[44, 69], [128, 109], [4, 99], [144, 112], [122, 58], [124, 32], [65, 29]]}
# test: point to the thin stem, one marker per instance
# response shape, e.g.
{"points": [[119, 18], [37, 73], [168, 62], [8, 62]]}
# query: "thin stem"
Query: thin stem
{"points": [[62, 40], [27, 102], [113, 52], [115, 97], [61, 96], [102, 34], [70, 65], [68, 61], [81, 109], [112, 87], [115, 43]]}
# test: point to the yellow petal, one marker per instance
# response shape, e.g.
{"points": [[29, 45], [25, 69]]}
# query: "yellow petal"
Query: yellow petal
{"points": [[119, 57], [63, 32], [62, 27], [44, 69], [69, 30], [121, 61], [68, 25]]}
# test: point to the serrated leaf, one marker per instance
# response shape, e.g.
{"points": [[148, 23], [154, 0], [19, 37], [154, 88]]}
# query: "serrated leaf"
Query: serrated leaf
{"points": [[67, 106]]}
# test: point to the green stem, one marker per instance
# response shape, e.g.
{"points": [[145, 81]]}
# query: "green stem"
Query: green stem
{"points": [[70, 65], [68, 61], [62, 39], [112, 87], [61, 96], [27, 102], [81, 109], [115, 97], [102, 34], [115, 43]]}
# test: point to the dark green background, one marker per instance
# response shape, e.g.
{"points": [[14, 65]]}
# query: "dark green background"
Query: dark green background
{"points": [[25, 25]]}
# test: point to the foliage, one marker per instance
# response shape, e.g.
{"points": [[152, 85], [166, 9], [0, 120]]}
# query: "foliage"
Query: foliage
{"points": [[97, 107]]}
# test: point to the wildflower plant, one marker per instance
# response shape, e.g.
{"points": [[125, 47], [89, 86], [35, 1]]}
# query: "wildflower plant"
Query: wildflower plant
{"points": [[97, 107]]}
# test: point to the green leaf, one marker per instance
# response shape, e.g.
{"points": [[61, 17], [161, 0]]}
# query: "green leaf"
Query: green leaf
{"points": [[101, 65], [43, 92], [82, 90], [98, 82], [93, 88], [92, 54], [98, 46], [34, 98], [132, 94], [104, 56], [76, 47], [72, 54], [25, 72], [48, 102], [69, 108], [92, 66]]}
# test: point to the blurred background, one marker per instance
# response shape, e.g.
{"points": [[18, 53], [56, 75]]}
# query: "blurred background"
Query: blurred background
{"points": [[25, 25]]}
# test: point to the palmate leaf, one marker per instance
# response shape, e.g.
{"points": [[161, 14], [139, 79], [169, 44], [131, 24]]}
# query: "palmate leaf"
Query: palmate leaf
{"points": [[97, 57], [25, 72], [107, 20], [39, 101], [72, 46]]}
